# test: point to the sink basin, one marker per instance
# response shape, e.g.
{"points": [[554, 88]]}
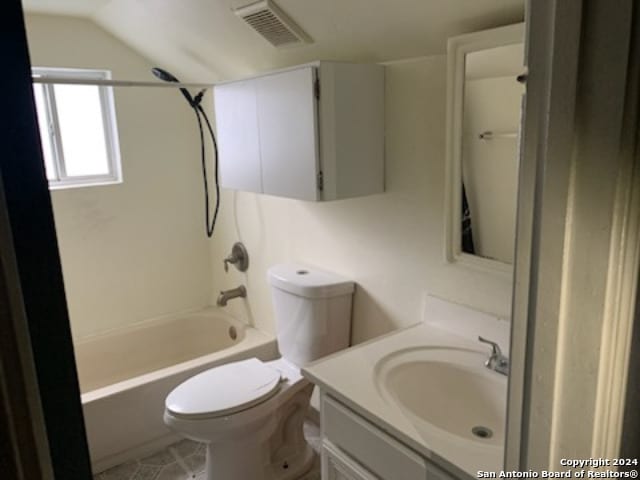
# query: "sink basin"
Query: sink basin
{"points": [[448, 389]]}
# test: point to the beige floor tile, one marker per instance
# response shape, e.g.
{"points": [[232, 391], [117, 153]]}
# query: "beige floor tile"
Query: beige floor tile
{"points": [[146, 472], [125, 471], [159, 459], [197, 461], [173, 472], [184, 448]]}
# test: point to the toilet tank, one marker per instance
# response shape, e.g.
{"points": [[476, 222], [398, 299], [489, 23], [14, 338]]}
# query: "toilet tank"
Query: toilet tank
{"points": [[312, 310]]}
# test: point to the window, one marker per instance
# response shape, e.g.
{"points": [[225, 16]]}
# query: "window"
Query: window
{"points": [[78, 129]]}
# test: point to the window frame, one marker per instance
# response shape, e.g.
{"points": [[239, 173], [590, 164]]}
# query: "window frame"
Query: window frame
{"points": [[108, 111]]}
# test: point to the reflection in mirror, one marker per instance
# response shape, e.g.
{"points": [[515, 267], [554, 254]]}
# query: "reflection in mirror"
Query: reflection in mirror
{"points": [[490, 125], [484, 104]]}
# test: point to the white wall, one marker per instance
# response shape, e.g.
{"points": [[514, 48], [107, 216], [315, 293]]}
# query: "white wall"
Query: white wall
{"points": [[391, 244], [137, 250]]}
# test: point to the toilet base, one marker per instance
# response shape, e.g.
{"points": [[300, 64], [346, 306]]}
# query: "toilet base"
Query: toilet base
{"points": [[277, 450]]}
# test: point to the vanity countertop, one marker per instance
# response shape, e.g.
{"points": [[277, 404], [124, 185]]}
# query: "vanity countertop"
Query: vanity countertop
{"points": [[350, 377]]}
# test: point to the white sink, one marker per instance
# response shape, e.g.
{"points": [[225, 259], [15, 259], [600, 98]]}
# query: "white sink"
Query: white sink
{"points": [[427, 387], [448, 389]]}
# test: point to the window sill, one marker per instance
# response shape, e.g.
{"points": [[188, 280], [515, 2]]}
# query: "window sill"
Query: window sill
{"points": [[83, 184]]}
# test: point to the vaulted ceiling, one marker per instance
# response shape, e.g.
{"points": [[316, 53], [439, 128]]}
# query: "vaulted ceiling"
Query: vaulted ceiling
{"points": [[203, 40]]}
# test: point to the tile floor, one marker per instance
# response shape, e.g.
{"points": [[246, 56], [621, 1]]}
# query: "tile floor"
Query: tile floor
{"points": [[185, 460]]}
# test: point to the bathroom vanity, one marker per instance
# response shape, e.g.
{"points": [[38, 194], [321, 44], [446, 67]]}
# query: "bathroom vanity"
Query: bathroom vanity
{"points": [[415, 404]]}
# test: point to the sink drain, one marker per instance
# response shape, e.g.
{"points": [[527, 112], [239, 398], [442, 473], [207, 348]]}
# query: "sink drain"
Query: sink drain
{"points": [[482, 432]]}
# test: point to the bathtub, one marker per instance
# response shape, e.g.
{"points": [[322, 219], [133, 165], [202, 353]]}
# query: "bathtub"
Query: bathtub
{"points": [[126, 374]]}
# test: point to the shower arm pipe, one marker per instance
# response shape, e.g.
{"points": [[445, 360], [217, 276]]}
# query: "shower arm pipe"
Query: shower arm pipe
{"points": [[116, 83]]}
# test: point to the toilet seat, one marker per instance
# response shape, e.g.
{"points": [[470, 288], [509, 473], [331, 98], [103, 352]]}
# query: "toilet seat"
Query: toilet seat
{"points": [[224, 390]]}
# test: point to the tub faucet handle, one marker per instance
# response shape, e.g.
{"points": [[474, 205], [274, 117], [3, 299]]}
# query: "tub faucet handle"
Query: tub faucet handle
{"points": [[239, 257]]}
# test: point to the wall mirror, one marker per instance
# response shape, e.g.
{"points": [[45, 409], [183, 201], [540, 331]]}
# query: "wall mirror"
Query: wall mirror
{"points": [[483, 123]]}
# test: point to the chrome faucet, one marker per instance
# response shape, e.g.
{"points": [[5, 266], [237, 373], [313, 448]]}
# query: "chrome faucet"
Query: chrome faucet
{"points": [[227, 295], [496, 361]]}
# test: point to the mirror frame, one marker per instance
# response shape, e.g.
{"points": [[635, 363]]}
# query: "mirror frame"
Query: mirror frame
{"points": [[457, 49]]}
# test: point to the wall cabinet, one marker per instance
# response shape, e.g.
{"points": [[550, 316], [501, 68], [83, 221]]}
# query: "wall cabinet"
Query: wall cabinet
{"points": [[313, 132], [355, 449]]}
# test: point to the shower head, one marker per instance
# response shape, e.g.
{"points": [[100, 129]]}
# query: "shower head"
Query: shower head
{"points": [[164, 75], [168, 77]]}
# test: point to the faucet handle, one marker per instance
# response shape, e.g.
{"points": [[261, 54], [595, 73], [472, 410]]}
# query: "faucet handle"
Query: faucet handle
{"points": [[239, 257], [228, 260], [495, 348]]}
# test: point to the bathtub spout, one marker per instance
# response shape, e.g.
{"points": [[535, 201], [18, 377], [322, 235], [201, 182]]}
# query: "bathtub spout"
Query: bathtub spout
{"points": [[227, 295]]}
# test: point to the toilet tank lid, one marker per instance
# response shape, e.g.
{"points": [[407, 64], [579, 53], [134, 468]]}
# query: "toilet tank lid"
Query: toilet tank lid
{"points": [[309, 282]]}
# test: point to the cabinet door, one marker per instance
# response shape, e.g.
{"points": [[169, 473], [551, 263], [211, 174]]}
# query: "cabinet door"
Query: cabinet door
{"points": [[382, 454], [338, 466], [287, 122], [237, 127]]}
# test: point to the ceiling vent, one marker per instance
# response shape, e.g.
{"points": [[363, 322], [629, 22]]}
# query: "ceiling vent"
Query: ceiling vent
{"points": [[266, 18]]}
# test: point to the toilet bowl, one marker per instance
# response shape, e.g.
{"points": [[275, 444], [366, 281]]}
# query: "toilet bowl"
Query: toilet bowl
{"points": [[258, 437], [251, 413]]}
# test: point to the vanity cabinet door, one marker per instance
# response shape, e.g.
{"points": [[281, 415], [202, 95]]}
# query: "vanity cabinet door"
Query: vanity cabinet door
{"points": [[338, 466], [383, 455]]}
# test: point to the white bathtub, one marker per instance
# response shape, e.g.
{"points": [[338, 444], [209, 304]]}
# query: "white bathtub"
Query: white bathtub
{"points": [[125, 376]]}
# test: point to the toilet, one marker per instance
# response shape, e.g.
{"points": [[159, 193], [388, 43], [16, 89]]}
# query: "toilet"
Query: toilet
{"points": [[250, 413]]}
